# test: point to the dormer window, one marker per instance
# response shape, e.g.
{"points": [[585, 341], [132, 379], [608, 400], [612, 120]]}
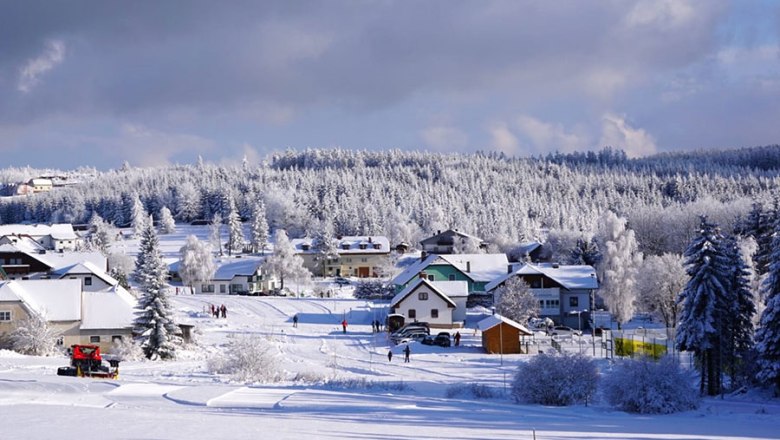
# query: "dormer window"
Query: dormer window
{"points": [[363, 245], [345, 246], [377, 246], [306, 247]]}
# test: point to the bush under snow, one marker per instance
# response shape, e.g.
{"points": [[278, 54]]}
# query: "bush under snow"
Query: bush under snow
{"points": [[475, 390], [645, 386], [559, 379], [247, 359], [34, 336]]}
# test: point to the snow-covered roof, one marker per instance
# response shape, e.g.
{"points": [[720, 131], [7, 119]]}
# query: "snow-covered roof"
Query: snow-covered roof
{"points": [[24, 243], [400, 296], [453, 289], [373, 244], [56, 300], [38, 181], [494, 320], [60, 260], [450, 232], [58, 231], [228, 269], [85, 268], [108, 309], [477, 267], [570, 277]]}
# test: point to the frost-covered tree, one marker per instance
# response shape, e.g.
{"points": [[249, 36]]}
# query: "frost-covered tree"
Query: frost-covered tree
{"points": [[619, 267], [248, 360], [768, 333], [196, 262], [154, 324], [167, 223], [739, 310], [119, 266], [515, 300], [102, 235], [325, 246], [659, 283], [704, 298], [235, 241], [139, 216], [259, 231], [215, 232], [34, 336], [285, 263]]}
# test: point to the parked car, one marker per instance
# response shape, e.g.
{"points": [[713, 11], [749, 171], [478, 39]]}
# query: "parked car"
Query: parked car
{"points": [[341, 281], [442, 340], [408, 331], [411, 337], [562, 330]]}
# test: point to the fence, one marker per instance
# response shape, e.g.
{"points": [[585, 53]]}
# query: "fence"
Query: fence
{"points": [[654, 343]]}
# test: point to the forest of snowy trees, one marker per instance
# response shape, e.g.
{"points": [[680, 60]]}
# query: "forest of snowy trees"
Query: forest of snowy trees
{"points": [[408, 195]]}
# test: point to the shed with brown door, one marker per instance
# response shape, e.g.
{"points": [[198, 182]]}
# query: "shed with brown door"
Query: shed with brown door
{"points": [[502, 335]]}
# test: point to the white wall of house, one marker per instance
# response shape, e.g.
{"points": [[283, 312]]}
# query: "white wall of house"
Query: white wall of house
{"points": [[423, 301], [89, 282]]}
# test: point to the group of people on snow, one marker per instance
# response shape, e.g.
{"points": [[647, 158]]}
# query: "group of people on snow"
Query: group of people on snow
{"points": [[217, 311]]}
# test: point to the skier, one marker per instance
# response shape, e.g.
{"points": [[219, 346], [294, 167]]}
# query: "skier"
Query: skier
{"points": [[389, 356], [295, 320], [344, 325], [407, 352], [457, 338]]}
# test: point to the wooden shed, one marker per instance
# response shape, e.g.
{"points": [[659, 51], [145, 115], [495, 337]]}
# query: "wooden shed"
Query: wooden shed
{"points": [[502, 335]]}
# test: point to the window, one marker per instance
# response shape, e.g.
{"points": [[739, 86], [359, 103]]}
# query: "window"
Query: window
{"points": [[452, 277], [412, 314], [422, 296], [552, 303], [221, 288], [94, 339], [430, 277], [536, 284], [87, 281], [207, 288], [434, 313], [116, 338], [574, 301], [364, 260], [541, 303], [5, 315]]}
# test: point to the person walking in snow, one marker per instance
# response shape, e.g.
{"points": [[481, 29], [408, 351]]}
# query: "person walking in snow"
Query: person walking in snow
{"points": [[389, 355], [344, 325], [407, 352], [223, 309], [295, 320], [457, 338]]}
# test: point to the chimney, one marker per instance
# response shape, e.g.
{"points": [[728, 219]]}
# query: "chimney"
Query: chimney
{"points": [[508, 268], [369, 240], [468, 266], [423, 276], [438, 232]]}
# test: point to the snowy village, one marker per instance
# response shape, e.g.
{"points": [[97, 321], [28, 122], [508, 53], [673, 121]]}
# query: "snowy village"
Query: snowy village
{"points": [[390, 220], [217, 308]]}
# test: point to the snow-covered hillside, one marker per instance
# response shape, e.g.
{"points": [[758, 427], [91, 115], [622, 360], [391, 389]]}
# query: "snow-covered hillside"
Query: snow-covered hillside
{"points": [[348, 390]]}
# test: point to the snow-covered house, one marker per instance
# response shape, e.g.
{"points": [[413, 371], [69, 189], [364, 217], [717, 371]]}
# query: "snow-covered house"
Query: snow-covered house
{"points": [[450, 241], [477, 270], [564, 292], [358, 256], [57, 237], [235, 276], [429, 302], [93, 279], [80, 317], [21, 263], [40, 184]]}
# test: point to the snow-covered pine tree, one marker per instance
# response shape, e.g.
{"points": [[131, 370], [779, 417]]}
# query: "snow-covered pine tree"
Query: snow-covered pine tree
{"points": [[325, 246], [259, 232], [738, 313], [235, 241], [585, 252], [618, 268], [700, 329], [285, 263], [139, 216], [102, 235], [196, 262], [516, 301], [215, 232], [167, 223], [768, 333], [154, 325]]}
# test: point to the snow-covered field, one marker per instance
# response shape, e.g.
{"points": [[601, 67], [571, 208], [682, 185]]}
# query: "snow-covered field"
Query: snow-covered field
{"points": [[181, 400]]}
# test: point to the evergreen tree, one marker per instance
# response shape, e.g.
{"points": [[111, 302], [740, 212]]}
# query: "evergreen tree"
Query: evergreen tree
{"points": [[215, 232], [139, 217], [585, 252], [704, 301], [154, 326], [235, 233], [102, 235], [768, 333], [739, 310], [167, 223], [259, 231]]}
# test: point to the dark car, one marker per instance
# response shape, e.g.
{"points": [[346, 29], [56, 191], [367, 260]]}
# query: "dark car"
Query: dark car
{"points": [[341, 281], [442, 340]]}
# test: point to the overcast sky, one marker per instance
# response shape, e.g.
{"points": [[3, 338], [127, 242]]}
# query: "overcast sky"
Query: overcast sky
{"points": [[154, 82]]}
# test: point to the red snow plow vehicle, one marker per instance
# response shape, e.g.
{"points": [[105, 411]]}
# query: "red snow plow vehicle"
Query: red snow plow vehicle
{"points": [[85, 361]]}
